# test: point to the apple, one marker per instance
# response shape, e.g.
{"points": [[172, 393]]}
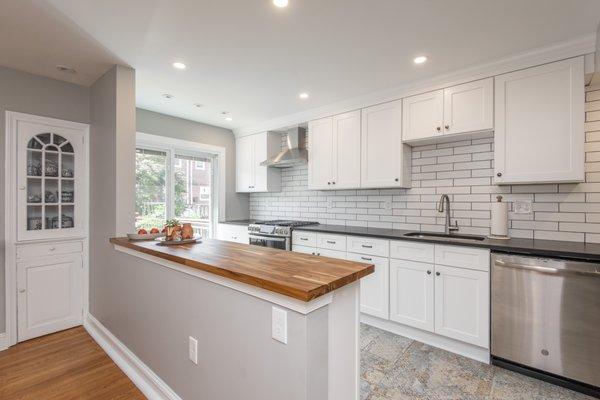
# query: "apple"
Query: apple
{"points": [[154, 230], [142, 232]]}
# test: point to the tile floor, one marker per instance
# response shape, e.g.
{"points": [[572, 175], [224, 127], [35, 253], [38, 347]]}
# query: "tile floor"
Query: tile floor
{"points": [[397, 368]]}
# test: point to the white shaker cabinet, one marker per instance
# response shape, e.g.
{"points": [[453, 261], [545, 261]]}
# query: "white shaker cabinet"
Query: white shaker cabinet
{"points": [[469, 107], [411, 293], [250, 152], [334, 161], [233, 233], [422, 115], [374, 291], [385, 161], [539, 133], [462, 301]]}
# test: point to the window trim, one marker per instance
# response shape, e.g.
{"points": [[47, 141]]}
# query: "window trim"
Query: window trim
{"points": [[173, 146]]}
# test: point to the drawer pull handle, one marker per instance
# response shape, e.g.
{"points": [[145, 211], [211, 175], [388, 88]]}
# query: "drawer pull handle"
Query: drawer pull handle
{"points": [[367, 246], [52, 248], [21, 290], [330, 241], [303, 238], [367, 258]]}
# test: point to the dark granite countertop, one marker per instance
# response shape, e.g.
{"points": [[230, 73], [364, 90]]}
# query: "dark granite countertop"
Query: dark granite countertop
{"points": [[245, 222], [545, 248]]}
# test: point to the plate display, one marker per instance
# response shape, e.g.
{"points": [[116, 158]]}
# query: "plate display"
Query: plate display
{"points": [[165, 242], [148, 236]]}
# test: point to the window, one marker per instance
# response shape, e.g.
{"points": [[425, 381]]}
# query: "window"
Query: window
{"points": [[169, 184]]}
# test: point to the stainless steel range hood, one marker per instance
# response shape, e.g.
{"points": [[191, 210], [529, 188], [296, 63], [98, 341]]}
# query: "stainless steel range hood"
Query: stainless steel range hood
{"points": [[295, 154]]}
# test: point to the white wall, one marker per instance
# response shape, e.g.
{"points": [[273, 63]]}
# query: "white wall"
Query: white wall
{"points": [[32, 94], [178, 128]]}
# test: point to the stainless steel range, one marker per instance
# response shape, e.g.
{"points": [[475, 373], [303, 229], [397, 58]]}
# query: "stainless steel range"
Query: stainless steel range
{"points": [[276, 234]]}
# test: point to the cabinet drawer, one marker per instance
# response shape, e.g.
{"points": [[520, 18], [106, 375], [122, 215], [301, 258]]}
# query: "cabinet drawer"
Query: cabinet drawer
{"points": [[463, 257], [304, 249], [46, 249], [331, 242], [363, 245], [331, 253], [412, 251], [301, 238]]}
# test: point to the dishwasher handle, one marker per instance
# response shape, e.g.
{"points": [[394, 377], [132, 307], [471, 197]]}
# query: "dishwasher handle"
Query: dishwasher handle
{"points": [[567, 268]]}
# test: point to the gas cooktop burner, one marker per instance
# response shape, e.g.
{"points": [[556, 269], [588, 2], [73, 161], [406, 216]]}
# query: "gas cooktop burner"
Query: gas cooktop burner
{"points": [[283, 222]]}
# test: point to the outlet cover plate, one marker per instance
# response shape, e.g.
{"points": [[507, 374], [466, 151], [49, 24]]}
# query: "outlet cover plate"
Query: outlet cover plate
{"points": [[279, 325], [522, 207], [193, 350]]}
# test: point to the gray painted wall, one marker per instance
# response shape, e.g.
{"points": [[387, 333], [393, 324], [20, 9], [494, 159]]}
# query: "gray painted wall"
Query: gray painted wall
{"points": [[32, 94], [178, 128]]}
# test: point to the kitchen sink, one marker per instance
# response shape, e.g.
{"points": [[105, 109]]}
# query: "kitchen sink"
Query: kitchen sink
{"points": [[445, 236]]}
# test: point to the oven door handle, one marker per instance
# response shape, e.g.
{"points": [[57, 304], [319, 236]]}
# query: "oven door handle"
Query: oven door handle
{"points": [[268, 238]]}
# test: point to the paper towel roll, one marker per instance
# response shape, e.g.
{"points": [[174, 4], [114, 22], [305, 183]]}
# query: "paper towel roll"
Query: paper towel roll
{"points": [[499, 226]]}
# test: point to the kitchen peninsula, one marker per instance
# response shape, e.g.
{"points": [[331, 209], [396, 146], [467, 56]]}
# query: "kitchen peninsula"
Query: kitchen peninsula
{"points": [[301, 311]]}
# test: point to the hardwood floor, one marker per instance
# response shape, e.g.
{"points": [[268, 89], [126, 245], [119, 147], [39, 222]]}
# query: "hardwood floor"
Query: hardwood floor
{"points": [[63, 365]]}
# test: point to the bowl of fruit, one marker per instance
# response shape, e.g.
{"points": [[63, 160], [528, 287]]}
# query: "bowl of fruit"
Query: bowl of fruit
{"points": [[143, 234]]}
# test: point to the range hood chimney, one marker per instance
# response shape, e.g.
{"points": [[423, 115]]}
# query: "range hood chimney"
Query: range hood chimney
{"points": [[596, 75], [295, 154]]}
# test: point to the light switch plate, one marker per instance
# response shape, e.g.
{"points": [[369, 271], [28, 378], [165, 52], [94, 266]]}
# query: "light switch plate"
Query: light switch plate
{"points": [[522, 207], [279, 325], [193, 350]]}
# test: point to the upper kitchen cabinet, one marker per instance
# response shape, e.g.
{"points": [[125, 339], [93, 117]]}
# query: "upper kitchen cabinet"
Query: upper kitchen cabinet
{"points": [[385, 161], [250, 152], [540, 124], [422, 115], [458, 109], [334, 162]]}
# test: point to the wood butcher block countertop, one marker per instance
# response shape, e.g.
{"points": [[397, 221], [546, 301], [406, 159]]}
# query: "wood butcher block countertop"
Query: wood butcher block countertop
{"points": [[301, 276]]}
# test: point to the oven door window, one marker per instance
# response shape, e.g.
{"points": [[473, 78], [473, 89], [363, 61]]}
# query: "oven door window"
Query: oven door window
{"points": [[267, 241]]}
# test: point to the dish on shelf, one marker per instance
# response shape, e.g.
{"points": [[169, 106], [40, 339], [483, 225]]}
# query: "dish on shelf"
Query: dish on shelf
{"points": [[146, 236], [165, 242]]}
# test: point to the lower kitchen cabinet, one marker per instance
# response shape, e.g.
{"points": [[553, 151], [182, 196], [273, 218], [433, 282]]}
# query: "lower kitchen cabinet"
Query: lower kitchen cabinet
{"points": [[304, 249], [374, 293], [411, 294], [233, 233], [462, 304]]}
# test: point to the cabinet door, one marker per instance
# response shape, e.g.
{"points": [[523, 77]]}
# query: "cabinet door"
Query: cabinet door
{"points": [[462, 304], [374, 288], [422, 115], [384, 160], [320, 159], [539, 133], [411, 293], [50, 295], [244, 151], [260, 154], [469, 107], [346, 151], [304, 249]]}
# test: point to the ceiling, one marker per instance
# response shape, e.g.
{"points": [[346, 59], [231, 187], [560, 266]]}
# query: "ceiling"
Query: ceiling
{"points": [[252, 59]]}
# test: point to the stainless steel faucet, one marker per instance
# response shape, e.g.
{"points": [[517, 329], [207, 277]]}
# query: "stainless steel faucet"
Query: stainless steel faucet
{"points": [[444, 203]]}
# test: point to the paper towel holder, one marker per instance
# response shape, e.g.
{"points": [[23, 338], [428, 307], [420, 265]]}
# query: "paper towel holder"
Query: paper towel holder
{"points": [[499, 212]]}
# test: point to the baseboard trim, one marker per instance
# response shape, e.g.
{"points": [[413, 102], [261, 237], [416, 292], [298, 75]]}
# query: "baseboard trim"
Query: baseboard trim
{"points": [[140, 374], [3, 341], [454, 346]]}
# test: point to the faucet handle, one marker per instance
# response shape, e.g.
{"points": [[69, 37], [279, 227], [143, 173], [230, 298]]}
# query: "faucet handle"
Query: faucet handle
{"points": [[453, 227]]}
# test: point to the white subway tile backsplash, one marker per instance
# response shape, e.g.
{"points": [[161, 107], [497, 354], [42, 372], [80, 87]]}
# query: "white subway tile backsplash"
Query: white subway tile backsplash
{"points": [[463, 170]]}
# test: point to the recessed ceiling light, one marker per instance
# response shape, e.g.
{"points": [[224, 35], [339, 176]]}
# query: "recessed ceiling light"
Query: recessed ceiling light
{"points": [[420, 60], [303, 95], [179, 65], [67, 69], [167, 96], [280, 3]]}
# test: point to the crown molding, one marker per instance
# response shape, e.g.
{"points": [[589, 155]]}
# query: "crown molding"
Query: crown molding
{"points": [[541, 55]]}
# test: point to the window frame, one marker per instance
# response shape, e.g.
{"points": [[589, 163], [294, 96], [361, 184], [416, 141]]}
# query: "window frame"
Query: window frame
{"points": [[177, 146]]}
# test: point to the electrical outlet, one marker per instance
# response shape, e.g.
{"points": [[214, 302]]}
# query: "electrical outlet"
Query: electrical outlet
{"points": [[193, 350], [279, 325], [522, 207]]}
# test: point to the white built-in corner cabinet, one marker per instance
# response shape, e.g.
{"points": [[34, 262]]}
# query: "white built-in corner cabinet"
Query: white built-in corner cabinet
{"points": [[250, 152], [422, 290], [46, 210], [539, 134]]}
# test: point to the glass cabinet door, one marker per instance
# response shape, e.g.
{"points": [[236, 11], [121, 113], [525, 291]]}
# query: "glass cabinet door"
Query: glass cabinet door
{"points": [[49, 180]]}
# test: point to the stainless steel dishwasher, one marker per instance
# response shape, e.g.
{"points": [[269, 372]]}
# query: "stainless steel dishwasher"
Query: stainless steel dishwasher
{"points": [[546, 319]]}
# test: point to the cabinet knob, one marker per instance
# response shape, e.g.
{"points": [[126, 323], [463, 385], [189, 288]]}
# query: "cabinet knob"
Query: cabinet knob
{"points": [[447, 126], [439, 128], [21, 187], [396, 179], [438, 273], [333, 183], [329, 183], [52, 248], [428, 272], [499, 174], [21, 290]]}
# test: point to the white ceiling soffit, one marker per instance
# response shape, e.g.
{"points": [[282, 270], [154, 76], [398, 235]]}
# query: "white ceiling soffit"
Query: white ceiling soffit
{"points": [[253, 59], [35, 37]]}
